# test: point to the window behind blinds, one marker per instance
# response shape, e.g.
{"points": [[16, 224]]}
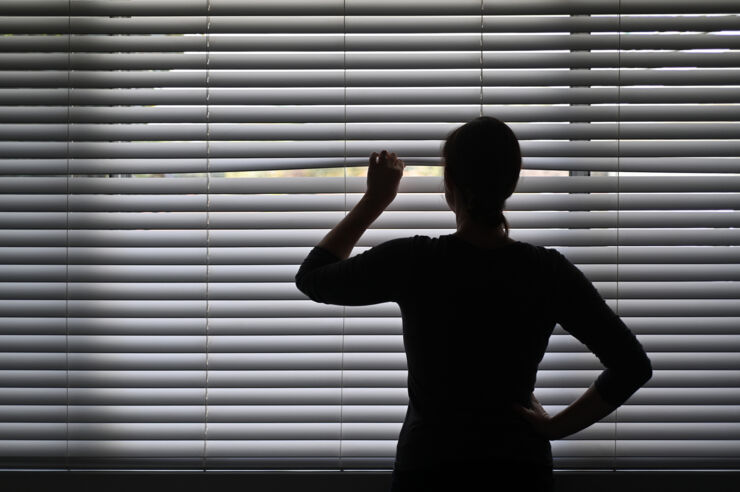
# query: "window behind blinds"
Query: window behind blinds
{"points": [[166, 165]]}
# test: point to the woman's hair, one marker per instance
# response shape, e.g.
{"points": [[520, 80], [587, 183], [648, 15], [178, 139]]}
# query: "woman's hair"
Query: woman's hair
{"points": [[482, 159]]}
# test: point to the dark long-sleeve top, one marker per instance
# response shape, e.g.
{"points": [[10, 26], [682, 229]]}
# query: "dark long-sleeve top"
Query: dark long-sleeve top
{"points": [[476, 323]]}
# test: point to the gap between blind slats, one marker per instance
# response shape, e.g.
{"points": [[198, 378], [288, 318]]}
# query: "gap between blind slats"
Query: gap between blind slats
{"points": [[356, 148], [412, 184], [31, 166]]}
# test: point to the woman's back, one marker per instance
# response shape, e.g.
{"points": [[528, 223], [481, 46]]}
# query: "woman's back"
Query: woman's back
{"points": [[476, 322], [477, 311]]}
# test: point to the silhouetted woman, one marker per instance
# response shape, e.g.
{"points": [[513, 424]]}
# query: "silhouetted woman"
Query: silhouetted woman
{"points": [[478, 309]]}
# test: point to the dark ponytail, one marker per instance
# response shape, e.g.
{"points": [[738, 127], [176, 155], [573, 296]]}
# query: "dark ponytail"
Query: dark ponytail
{"points": [[483, 160]]}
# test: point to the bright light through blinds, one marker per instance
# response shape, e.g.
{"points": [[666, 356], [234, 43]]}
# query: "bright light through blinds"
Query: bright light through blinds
{"points": [[166, 165]]}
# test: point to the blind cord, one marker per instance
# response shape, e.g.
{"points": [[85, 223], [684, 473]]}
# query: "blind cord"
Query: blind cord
{"points": [[619, 189], [208, 217], [480, 76], [66, 237], [344, 308]]}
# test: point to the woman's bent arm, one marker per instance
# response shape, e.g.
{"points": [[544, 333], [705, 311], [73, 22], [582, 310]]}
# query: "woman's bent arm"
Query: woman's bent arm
{"points": [[582, 413], [581, 311], [585, 411]]}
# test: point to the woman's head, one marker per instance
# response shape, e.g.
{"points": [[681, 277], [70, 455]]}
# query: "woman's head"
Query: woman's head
{"points": [[482, 160]]}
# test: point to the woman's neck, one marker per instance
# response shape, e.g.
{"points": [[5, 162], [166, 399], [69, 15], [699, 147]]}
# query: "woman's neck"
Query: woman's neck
{"points": [[482, 235]]}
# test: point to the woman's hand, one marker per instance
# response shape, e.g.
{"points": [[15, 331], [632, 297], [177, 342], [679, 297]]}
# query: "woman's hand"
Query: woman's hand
{"points": [[538, 418], [383, 175]]}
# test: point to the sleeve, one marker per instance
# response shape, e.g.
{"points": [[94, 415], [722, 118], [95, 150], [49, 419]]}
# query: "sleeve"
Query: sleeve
{"points": [[379, 274], [581, 311]]}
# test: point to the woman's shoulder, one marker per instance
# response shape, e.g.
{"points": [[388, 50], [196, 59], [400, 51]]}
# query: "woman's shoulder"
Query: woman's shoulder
{"points": [[418, 241], [450, 241], [546, 252], [421, 244], [549, 259]]}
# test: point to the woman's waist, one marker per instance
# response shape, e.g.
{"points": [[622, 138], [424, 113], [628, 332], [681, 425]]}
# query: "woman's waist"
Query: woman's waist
{"points": [[445, 415], [466, 429], [430, 449]]}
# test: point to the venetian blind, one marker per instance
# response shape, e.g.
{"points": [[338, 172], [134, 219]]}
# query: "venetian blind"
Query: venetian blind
{"points": [[166, 165]]}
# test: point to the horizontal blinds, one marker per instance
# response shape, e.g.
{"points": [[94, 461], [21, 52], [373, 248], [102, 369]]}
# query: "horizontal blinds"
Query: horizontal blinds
{"points": [[148, 312]]}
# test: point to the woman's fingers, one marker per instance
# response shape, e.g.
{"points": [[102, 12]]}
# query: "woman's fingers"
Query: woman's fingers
{"points": [[397, 162], [385, 157]]}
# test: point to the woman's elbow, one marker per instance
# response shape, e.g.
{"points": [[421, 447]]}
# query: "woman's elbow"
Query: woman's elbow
{"points": [[304, 283], [645, 371], [301, 283]]}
